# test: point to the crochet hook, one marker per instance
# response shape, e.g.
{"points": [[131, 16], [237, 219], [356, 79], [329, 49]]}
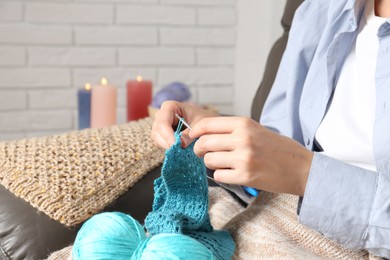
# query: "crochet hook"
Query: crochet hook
{"points": [[183, 121]]}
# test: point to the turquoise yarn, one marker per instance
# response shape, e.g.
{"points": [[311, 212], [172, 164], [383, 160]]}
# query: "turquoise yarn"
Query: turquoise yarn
{"points": [[108, 236], [179, 223], [173, 246], [119, 236]]}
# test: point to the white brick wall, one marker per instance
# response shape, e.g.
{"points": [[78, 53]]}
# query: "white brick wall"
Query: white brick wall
{"points": [[13, 100], [155, 15], [28, 34], [157, 56], [12, 56], [50, 48], [190, 36], [72, 56], [217, 16], [10, 11], [69, 13]]}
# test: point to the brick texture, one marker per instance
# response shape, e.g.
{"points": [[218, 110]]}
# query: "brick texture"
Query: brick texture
{"points": [[21, 33], [72, 56], [10, 11], [215, 56], [69, 13], [208, 36], [49, 49], [157, 56], [46, 99], [201, 2], [34, 77], [13, 100], [217, 16], [12, 56], [156, 15], [197, 76], [115, 35]]}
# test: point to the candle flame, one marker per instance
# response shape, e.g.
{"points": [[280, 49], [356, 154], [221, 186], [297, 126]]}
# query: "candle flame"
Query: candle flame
{"points": [[104, 81], [139, 78], [88, 86]]}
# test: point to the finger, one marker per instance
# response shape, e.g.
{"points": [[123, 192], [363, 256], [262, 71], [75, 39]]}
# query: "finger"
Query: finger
{"points": [[214, 125], [185, 139], [228, 176], [162, 135], [161, 142], [219, 160], [214, 143], [165, 119]]}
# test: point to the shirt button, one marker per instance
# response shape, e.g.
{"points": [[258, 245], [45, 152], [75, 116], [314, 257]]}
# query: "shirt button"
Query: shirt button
{"points": [[308, 141]]}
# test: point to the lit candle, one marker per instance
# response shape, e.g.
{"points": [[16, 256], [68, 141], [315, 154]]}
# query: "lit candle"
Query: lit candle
{"points": [[84, 106], [139, 97], [103, 105]]}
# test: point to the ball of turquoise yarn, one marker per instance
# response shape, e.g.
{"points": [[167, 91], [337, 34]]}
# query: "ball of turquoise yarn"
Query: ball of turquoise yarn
{"points": [[119, 236], [172, 246], [108, 235]]}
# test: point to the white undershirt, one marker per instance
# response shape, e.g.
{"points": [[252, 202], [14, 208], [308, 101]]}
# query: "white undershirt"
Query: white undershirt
{"points": [[346, 131]]}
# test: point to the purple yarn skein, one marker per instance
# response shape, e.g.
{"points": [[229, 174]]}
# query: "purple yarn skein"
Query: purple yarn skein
{"points": [[174, 91]]}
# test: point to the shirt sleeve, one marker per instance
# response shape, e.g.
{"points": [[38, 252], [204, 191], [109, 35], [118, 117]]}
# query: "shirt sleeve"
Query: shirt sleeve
{"points": [[345, 203], [348, 204]]}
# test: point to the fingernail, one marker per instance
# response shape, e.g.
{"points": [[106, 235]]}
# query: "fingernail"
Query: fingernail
{"points": [[183, 141]]}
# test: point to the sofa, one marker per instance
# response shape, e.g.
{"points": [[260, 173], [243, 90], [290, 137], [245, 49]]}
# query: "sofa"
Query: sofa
{"points": [[50, 185]]}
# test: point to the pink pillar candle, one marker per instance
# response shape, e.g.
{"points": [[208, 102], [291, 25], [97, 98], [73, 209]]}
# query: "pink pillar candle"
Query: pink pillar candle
{"points": [[139, 97], [103, 105]]}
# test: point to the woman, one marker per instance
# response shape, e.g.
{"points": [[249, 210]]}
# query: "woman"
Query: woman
{"points": [[324, 131]]}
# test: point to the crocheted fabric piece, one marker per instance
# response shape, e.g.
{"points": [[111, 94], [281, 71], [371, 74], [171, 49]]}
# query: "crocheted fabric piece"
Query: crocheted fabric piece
{"points": [[181, 201], [73, 176]]}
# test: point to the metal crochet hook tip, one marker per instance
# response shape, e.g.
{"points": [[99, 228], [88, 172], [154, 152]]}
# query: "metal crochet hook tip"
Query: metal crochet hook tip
{"points": [[183, 121]]}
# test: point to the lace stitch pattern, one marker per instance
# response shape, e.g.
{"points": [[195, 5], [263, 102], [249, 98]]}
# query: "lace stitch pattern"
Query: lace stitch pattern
{"points": [[181, 201]]}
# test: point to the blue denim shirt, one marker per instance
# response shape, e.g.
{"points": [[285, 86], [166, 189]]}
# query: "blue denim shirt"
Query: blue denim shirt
{"points": [[345, 203]]}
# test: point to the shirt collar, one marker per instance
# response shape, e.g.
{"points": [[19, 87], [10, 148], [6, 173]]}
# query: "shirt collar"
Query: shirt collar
{"points": [[351, 12], [354, 10]]}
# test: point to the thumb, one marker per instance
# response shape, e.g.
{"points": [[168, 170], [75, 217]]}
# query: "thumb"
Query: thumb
{"points": [[185, 139]]}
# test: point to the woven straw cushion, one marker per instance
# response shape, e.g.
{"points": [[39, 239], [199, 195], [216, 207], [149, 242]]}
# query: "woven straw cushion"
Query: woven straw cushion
{"points": [[73, 176]]}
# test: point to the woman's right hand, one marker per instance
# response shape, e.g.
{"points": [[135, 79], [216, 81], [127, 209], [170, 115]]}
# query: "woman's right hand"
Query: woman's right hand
{"points": [[165, 120]]}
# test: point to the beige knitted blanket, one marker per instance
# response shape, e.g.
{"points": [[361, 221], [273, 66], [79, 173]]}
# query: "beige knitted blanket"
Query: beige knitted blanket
{"points": [[73, 176], [267, 229]]}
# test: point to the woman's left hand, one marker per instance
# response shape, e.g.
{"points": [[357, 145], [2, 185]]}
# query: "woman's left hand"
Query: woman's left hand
{"points": [[243, 152]]}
